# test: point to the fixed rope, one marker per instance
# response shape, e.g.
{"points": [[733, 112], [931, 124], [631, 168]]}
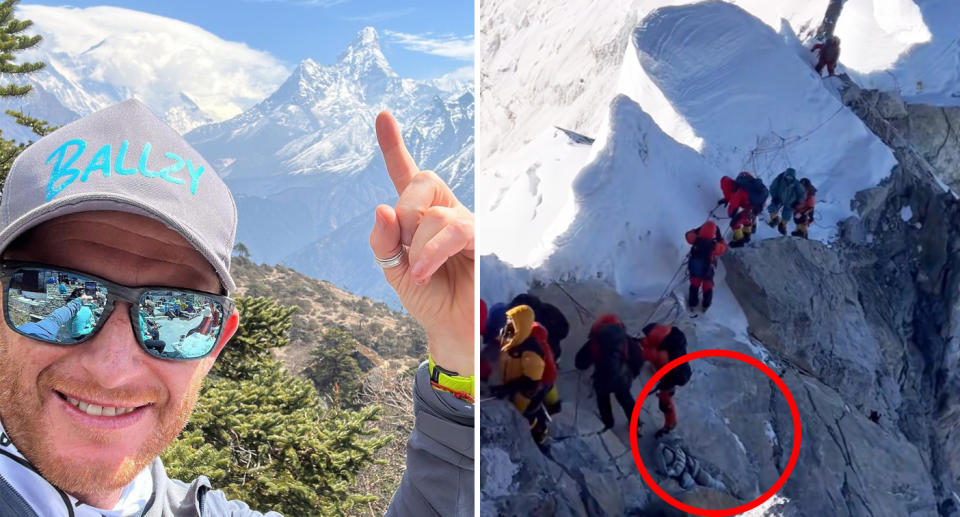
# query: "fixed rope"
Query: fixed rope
{"points": [[580, 308]]}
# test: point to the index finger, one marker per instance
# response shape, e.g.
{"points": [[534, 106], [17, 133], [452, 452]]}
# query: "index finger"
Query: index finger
{"points": [[400, 164]]}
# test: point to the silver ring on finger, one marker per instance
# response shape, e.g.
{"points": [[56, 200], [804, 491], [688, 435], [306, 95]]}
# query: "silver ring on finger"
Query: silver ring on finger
{"points": [[391, 262]]}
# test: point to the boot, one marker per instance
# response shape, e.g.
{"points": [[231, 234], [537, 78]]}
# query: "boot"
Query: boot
{"points": [[707, 299], [555, 408], [782, 227], [694, 298], [801, 231], [774, 220], [541, 437], [738, 237]]}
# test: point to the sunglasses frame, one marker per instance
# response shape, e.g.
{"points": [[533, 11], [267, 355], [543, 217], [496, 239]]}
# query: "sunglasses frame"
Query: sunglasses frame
{"points": [[115, 292]]}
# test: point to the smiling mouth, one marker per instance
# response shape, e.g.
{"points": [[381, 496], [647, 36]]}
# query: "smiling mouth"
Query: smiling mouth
{"points": [[96, 410]]}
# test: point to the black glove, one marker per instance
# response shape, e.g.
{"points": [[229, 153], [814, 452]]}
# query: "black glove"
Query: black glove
{"points": [[723, 202]]}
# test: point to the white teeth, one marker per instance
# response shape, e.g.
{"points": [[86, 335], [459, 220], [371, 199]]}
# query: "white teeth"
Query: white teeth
{"points": [[92, 409]]}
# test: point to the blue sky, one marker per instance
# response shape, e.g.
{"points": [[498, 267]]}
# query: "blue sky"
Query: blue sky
{"points": [[421, 38]]}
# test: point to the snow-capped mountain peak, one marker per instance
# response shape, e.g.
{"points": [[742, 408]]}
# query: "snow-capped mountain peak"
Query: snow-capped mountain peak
{"points": [[364, 48], [364, 63]]}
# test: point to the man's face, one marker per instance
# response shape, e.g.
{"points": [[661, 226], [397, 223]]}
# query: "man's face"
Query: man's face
{"points": [[89, 456]]}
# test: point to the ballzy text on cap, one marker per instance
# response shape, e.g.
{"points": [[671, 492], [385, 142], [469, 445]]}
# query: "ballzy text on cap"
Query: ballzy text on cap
{"points": [[122, 158]]}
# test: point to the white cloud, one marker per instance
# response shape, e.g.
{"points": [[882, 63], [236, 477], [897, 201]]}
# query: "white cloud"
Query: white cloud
{"points": [[456, 80], [153, 58], [446, 45], [460, 74]]}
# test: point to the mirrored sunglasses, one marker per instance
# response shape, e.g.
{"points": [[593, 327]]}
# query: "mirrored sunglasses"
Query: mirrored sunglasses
{"points": [[65, 307]]}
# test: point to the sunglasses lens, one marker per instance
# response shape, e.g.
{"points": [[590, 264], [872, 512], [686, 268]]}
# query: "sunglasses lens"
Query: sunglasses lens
{"points": [[179, 325], [54, 306]]}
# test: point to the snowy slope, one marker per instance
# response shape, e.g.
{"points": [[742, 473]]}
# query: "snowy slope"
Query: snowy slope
{"points": [[692, 109], [634, 200], [546, 63], [928, 72], [526, 197], [554, 62], [760, 114]]}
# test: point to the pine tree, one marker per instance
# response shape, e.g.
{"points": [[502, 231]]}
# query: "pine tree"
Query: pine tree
{"points": [[264, 324], [265, 436], [240, 250], [335, 370], [12, 41]]}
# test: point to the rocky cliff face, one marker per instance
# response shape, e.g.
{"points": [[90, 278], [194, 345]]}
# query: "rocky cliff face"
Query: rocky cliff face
{"points": [[933, 132], [874, 316], [864, 331]]}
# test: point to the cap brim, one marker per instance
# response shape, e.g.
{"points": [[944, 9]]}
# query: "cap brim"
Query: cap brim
{"points": [[89, 202]]}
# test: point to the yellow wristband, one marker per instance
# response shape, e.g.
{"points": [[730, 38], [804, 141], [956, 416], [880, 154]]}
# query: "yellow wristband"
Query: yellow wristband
{"points": [[445, 380]]}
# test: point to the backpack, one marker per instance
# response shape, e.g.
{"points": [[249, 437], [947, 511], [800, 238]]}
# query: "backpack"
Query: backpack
{"points": [[677, 377], [556, 324], [610, 347], [757, 192], [539, 333], [703, 249], [676, 346]]}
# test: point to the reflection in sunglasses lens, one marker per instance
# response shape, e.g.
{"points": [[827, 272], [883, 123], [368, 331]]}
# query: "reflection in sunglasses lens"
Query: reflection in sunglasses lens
{"points": [[54, 306], [65, 308], [179, 325]]}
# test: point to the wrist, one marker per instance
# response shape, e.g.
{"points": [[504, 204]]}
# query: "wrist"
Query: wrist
{"points": [[453, 382], [452, 354]]}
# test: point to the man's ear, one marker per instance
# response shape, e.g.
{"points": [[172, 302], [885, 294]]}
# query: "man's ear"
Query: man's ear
{"points": [[229, 329]]}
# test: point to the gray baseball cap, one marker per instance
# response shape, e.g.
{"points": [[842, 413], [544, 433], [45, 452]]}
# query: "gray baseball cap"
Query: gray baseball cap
{"points": [[122, 158]]}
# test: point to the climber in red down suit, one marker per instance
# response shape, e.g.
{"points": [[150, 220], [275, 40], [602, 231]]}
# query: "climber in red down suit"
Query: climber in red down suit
{"points": [[660, 345], [706, 244], [744, 197], [829, 55]]}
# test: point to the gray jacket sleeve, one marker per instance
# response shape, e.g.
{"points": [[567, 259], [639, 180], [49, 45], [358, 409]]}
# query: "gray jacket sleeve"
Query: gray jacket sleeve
{"points": [[174, 498], [439, 476]]}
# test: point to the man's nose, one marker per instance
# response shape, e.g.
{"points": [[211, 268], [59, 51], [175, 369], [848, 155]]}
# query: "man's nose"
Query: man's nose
{"points": [[113, 357]]}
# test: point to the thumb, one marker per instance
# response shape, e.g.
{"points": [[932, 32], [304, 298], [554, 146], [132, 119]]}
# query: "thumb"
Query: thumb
{"points": [[385, 243]]}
